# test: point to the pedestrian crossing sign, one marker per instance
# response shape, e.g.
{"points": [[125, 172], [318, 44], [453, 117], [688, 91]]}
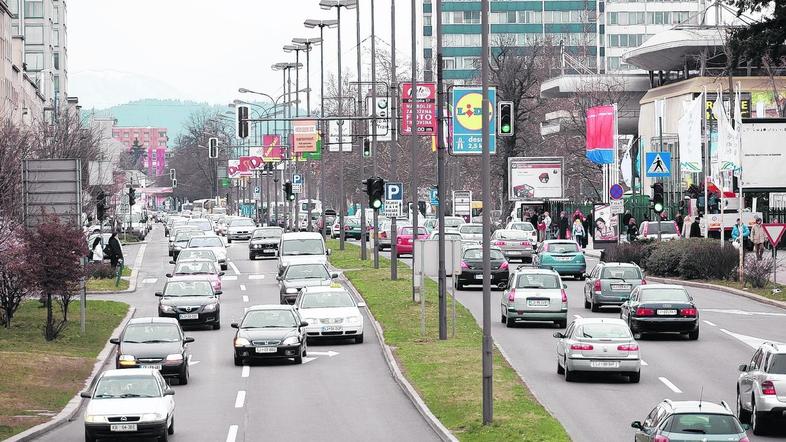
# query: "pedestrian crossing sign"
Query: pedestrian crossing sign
{"points": [[658, 164]]}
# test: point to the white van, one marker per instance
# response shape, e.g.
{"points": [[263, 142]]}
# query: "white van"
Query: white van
{"points": [[301, 248]]}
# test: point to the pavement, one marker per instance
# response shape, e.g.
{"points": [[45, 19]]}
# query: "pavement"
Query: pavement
{"points": [[343, 391], [602, 407]]}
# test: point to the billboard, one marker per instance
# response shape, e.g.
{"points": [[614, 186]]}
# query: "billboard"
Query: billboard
{"points": [[606, 224], [425, 108], [763, 156], [467, 115], [535, 178]]}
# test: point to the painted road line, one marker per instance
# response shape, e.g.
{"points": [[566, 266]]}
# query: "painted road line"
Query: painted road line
{"points": [[234, 267], [246, 370], [708, 323], [644, 364], [671, 386], [329, 353], [232, 435], [240, 399], [149, 280], [229, 278], [741, 312], [245, 298], [256, 276], [577, 316], [751, 341], [242, 287]]}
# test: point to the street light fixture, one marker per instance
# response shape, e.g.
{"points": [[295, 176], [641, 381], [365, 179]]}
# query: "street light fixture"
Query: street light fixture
{"points": [[328, 4]]}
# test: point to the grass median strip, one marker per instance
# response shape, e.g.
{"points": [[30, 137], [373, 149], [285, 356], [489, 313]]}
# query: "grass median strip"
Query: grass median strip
{"points": [[105, 285], [39, 377], [447, 374]]}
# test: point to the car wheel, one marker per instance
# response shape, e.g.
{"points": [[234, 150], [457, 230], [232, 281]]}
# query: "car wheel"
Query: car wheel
{"points": [[757, 421], [594, 306], [586, 302], [229, 240], [217, 326], [570, 376], [164, 437], [581, 277], [742, 414], [359, 339], [250, 257], [562, 323], [458, 285], [89, 438], [634, 377], [171, 428], [299, 357], [504, 319], [183, 378], [560, 370], [238, 360], [694, 335], [509, 323]]}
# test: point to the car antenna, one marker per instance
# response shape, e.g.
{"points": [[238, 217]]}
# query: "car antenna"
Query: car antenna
{"points": [[701, 396]]}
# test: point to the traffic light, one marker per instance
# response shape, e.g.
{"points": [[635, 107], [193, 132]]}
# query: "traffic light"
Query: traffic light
{"points": [[505, 118], [366, 148], [101, 205], [242, 122], [657, 197], [288, 191], [212, 148], [131, 196], [375, 189], [172, 174], [174, 183]]}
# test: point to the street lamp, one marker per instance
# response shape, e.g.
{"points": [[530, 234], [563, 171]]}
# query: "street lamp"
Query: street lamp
{"points": [[286, 69]]}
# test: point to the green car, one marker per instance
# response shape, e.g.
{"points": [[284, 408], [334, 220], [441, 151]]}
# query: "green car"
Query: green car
{"points": [[561, 255], [352, 228]]}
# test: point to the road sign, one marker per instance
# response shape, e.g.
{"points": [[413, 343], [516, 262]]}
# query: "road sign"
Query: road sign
{"points": [[617, 206], [305, 136], [394, 192], [52, 187], [462, 202], [297, 178], [658, 164], [393, 209], [433, 195], [382, 109], [467, 113], [297, 189], [615, 191], [345, 142], [774, 232], [425, 108], [257, 193]]}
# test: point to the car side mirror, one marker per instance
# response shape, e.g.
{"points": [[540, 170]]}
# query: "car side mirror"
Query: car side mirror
{"points": [[85, 395], [278, 278], [168, 275], [334, 275], [219, 292], [188, 340], [558, 335], [328, 252], [172, 262], [636, 424], [169, 392], [303, 324], [234, 325], [361, 304], [159, 294], [115, 341], [743, 367], [564, 286], [222, 273]]}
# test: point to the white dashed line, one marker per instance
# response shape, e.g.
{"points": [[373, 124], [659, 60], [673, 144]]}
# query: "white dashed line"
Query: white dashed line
{"points": [[671, 386], [232, 433], [240, 399], [256, 276], [246, 370], [644, 364], [242, 287], [708, 323], [245, 298], [149, 280], [229, 278], [577, 316], [234, 268]]}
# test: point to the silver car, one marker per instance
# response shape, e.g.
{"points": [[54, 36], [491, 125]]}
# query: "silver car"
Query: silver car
{"points": [[471, 232], [610, 283], [668, 230], [598, 345], [761, 387], [535, 295], [297, 276], [526, 227], [240, 228], [515, 244]]}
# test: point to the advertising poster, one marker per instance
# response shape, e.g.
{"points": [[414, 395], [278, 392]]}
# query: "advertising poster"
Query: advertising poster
{"points": [[467, 114], [763, 156], [535, 178], [272, 150], [606, 227], [425, 108]]}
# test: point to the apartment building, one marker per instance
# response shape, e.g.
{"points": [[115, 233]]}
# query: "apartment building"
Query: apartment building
{"points": [[153, 141]]}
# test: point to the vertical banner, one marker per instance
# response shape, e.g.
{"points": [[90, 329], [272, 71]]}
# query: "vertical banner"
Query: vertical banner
{"points": [[271, 148], [690, 136], [600, 134], [425, 103]]}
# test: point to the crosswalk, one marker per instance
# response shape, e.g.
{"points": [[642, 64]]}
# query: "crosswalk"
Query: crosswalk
{"points": [[251, 277]]}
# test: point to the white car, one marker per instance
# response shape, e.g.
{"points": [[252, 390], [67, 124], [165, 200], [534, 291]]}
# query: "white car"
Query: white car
{"points": [[473, 233], [526, 227], [212, 243], [240, 228], [301, 248], [331, 312], [129, 402]]}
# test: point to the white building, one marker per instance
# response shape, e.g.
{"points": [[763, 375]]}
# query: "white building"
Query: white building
{"points": [[20, 98]]}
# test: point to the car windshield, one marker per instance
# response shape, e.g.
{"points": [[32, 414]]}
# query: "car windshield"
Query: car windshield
{"points": [[471, 229], [664, 295], [527, 227], [241, 222], [453, 222], [185, 236], [700, 423], [307, 271], [477, 255], [537, 281], [303, 246], [327, 300], [195, 254], [563, 247], [201, 224], [269, 319], [666, 228], [151, 333], [624, 273], [409, 230], [188, 288], [511, 235], [267, 233], [777, 364], [110, 387], [604, 331], [195, 268], [206, 241]]}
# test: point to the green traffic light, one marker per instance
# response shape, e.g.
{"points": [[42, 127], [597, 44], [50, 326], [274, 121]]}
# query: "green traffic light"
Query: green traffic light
{"points": [[506, 128], [658, 208], [376, 204]]}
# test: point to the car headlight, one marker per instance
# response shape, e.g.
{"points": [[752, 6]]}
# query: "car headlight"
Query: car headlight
{"points": [[152, 417], [176, 357], [311, 321], [242, 342], [354, 319], [127, 360], [167, 308], [211, 307], [94, 419], [290, 291], [292, 340]]}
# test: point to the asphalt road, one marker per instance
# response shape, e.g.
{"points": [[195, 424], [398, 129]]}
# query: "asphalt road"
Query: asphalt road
{"points": [[343, 392], [602, 407]]}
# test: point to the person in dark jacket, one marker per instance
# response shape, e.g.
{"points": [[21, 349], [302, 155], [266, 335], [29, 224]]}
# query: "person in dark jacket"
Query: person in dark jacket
{"points": [[115, 250], [626, 220], [680, 221], [534, 219], [564, 226], [695, 228], [633, 230]]}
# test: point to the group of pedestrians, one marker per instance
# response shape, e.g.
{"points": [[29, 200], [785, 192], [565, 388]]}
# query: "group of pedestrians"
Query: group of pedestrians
{"points": [[578, 229], [752, 238], [112, 250]]}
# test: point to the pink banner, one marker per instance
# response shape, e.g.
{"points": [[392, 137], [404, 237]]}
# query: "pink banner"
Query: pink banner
{"points": [[425, 108], [272, 148], [600, 134]]}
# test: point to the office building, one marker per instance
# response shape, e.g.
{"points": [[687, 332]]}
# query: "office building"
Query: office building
{"points": [[20, 98], [153, 141]]}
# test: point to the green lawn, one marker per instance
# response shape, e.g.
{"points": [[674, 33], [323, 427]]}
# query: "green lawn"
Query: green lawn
{"points": [[447, 374], [766, 291], [106, 285], [40, 377]]}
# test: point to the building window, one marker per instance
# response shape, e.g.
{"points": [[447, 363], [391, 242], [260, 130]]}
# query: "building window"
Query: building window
{"points": [[56, 60], [56, 37], [34, 34], [472, 17], [34, 61], [448, 63], [56, 83], [56, 14], [34, 9], [426, 20]]}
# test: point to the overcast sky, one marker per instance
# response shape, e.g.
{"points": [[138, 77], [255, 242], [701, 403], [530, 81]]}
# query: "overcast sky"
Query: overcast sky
{"points": [[204, 50]]}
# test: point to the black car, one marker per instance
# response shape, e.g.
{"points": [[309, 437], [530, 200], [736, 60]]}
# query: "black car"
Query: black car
{"points": [[270, 332], [264, 241], [472, 268], [190, 303], [156, 343], [661, 308]]}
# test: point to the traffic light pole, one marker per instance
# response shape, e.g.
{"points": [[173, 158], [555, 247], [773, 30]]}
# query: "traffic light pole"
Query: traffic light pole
{"points": [[394, 145], [358, 112], [441, 186], [374, 130]]}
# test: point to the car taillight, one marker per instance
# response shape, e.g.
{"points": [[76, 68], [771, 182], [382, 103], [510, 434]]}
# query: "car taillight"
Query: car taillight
{"points": [[346, 227], [499, 243], [660, 438], [564, 296], [383, 234], [512, 295], [745, 439], [768, 388], [504, 265], [628, 347], [641, 311], [464, 265], [596, 286], [581, 347], [643, 282], [526, 243], [688, 312]]}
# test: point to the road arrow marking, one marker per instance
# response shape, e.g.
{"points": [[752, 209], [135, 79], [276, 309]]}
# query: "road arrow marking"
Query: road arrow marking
{"points": [[232, 435], [307, 359], [242, 287], [671, 386], [256, 276], [246, 370], [149, 280], [329, 353], [644, 364], [240, 399]]}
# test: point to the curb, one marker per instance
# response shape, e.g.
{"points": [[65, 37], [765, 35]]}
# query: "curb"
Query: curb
{"points": [[442, 432], [73, 406], [132, 280], [720, 288]]}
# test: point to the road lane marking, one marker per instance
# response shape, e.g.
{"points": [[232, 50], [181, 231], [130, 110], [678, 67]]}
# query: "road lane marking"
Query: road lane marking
{"points": [[246, 370], [242, 287], [229, 278], [307, 359], [708, 323], [750, 341], [149, 280], [644, 364], [234, 267], [741, 312], [671, 386], [240, 399], [232, 435], [190, 362], [245, 298], [256, 276], [577, 316], [329, 353]]}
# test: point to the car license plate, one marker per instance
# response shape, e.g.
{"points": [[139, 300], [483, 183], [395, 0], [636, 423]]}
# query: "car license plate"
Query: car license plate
{"points": [[331, 328], [189, 316], [151, 366], [538, 302], [667, 312], [122, 427], [605, 364], [620, 286], [480, 276], [266, 349], [564, 258]]}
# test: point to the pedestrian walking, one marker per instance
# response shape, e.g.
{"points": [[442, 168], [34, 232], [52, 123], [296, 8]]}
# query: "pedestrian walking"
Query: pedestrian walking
{"points": [[534, 219], [564, 226], [98, 250], [695, 228], [626, 219], [586, 223], [679, 220], [737, 239], [759, 238], [541, 226], [547, 222], [633, 230], [578, 232], [114, 250]]}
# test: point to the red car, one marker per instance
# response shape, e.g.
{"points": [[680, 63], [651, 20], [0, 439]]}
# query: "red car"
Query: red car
{"points": [[404, 239]]}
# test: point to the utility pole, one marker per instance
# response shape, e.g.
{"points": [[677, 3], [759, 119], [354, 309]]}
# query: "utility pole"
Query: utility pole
{"points": [[359, 112], [374, 129], [441, 190], [488, 357], [413, 138], [394, 135]]}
